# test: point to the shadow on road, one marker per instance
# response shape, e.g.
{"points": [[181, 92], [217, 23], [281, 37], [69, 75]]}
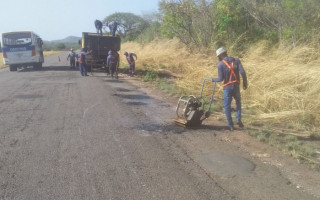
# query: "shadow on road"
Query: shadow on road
{"points": [[168, 128], [132, 96], [123, 90], [113, 81], [134, 103], [47, 68]]}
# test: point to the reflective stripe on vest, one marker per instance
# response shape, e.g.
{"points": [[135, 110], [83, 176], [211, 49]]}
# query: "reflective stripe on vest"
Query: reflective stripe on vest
{"points": [[231, 74]]}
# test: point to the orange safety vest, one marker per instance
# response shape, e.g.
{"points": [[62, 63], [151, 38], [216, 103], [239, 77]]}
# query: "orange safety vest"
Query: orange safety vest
{"points": [[232, 74], [81, 58]]}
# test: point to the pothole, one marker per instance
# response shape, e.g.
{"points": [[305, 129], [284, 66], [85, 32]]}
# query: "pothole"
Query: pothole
{"points": [[225, 165]]}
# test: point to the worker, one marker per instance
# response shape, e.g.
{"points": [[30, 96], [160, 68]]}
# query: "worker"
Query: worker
{"points": [[82, 61], [77, 59], [131, 61], [98, 25], [72, 56], [228, 72], [112, 62], [113, 28]]}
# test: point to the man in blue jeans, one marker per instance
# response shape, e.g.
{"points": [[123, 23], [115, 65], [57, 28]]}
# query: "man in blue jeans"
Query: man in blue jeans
{"points": [[229, 69], [82, 61]]}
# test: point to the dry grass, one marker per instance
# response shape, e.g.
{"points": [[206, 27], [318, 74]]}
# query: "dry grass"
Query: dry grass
{"points": [[1, 60], [283, 83], [49, 53], [173, 57]]}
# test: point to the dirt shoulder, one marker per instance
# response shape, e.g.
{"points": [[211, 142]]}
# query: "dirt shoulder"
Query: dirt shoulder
{"points": [[298, 175]]}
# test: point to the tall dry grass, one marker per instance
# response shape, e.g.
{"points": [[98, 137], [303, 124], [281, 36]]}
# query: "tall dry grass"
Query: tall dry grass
{"points": [[173, 57], [1, 60], [284, 84]]}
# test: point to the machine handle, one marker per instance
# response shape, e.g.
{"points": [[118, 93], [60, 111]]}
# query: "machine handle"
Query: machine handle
{"points": [[212, 93]]}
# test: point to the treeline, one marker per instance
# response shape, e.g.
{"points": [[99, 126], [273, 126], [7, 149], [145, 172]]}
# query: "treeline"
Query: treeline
{"points": [[211, 23], [50, 46]]}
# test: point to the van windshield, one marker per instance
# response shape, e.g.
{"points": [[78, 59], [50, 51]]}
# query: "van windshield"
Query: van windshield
{"points": [[16, 39]]}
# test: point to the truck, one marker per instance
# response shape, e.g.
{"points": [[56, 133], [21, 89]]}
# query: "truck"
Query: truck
{"points": [[100, 45]]}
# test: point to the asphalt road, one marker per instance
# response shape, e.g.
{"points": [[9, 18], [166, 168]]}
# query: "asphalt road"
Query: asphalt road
{"points": [[64, 136]]}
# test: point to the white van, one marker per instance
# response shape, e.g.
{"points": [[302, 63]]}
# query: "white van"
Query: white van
{"points": [[22, 49]]}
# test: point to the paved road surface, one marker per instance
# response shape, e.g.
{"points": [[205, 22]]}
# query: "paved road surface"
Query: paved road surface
{"points": [[64, 136]]}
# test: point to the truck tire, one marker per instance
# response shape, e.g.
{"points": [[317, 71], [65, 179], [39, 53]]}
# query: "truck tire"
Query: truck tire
{"points": [[13, 68]]}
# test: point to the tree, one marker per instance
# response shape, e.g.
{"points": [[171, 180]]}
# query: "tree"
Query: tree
{"points": [[129, 25], [60, 46], [291, 19], [178, 16]]}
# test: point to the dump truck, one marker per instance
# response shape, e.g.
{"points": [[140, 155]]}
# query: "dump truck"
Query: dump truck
{"points": [[100, 45]]}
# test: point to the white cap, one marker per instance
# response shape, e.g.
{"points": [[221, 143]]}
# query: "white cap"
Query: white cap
{"points": [[220, 51]]}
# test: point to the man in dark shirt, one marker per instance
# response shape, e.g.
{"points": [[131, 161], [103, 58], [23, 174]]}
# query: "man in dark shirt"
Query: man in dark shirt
{"points": [[98, 25], [131, 61], [113, 28], [113, 62], [229, 69]]}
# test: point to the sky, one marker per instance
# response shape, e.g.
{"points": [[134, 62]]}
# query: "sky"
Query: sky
{"points": [[58, 19]]}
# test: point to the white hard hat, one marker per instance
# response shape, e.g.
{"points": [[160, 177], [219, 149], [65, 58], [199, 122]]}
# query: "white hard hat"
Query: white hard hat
{"points": [[220, 51]]}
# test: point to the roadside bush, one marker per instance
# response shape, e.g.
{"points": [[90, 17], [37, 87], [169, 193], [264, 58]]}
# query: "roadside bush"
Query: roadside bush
{"points": [[150, 76]]}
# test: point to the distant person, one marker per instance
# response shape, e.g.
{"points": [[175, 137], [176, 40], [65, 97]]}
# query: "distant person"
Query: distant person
{"points": [[82, 61], [113, 26], [98, 25], [229, 69], [77, 59], [72, 57], [113, 62], [131, 61]]}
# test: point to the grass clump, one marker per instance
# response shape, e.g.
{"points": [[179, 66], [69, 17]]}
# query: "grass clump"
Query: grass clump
{"points": [[150, 76], [290, 144], [1, 60]]}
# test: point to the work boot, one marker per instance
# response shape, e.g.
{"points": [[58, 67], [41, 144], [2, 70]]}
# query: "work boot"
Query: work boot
{"points": [[231, 128], [240, 124]]}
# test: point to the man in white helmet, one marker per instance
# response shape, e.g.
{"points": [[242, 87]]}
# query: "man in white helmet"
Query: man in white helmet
{"points": [[72, 56], [229, 69]]}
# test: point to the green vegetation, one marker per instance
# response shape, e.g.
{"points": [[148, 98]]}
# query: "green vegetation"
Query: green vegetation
{"points": [[48, 46], [130, 26], [303, 149], [208, 24]]}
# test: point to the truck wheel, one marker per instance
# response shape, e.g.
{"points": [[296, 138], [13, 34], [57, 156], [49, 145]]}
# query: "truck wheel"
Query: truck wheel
{"points": [[13, 68]]}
